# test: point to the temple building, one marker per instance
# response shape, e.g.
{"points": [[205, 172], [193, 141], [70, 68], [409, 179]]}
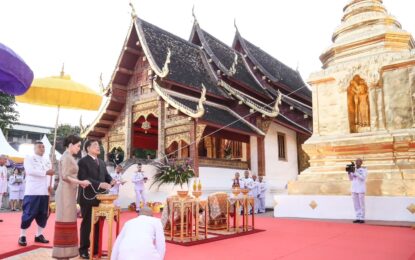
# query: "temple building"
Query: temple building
{"points": [[363, 107], [228, 108]]}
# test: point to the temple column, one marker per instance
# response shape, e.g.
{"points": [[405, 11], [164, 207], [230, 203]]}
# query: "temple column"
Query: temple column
{"points": [[128, 129], [193, 149], [161, 146], [261, 155]]}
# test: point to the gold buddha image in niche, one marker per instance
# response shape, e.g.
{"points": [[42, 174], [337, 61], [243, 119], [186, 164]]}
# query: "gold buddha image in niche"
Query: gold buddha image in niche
{"points": [[358, 105]]}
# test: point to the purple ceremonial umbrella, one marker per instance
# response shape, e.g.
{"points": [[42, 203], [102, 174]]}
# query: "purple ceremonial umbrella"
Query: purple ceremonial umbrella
{"points": [[15, 76]]}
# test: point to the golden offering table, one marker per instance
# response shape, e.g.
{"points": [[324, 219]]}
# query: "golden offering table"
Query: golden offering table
{"points": [[106, 211], [234, 205]]}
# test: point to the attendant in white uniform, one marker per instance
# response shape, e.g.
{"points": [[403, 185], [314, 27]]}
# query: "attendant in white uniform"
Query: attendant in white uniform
{"points": [[35, 203], [15, 181], [358, 179], [139, 180], [254, 192], [262, 190], [3, 178], [117, 177], [140, 238], [246, 181]]}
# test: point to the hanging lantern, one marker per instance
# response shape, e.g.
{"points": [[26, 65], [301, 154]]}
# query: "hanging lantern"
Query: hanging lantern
{"points": [[146, 125]]}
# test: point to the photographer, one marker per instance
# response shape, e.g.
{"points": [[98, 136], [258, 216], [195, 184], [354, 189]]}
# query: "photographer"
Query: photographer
{"points": [[357, 175]]}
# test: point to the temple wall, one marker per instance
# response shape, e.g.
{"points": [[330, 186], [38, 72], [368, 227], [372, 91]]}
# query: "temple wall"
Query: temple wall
{"points": [[399, 90], [279, 172], [116, 135]]}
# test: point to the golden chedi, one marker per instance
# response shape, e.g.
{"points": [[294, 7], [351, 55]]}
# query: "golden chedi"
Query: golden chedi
{"points": [[363, 106]]}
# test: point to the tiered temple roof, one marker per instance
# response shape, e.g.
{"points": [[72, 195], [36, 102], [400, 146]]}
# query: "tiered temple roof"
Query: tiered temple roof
{"points": [[205, 63]]}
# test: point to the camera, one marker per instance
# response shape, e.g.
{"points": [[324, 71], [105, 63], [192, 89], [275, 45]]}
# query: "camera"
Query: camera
{"points": [[350, 167]]}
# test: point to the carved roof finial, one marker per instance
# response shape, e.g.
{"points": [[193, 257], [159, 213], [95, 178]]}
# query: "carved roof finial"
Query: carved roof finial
{"points": [[200, 107], [232, 69], [165, 70], [278, 102], [101, 84], [133, 13], [234, 24], [193, 14]]}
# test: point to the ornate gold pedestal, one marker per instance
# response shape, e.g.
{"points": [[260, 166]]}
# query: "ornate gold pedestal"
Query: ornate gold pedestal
{"points": [[106, 211], [185, 206]]}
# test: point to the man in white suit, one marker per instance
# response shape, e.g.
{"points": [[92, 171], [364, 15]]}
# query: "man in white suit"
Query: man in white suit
{"points": [[140, 238], [139, 180], [358, 179]]}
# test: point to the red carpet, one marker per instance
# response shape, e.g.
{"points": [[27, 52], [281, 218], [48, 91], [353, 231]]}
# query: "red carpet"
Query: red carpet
{"points": [[283, 239]]}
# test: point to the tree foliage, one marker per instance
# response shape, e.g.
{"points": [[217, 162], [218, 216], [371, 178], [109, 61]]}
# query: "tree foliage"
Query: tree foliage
{"points": [[63, 131], [8, 113]]}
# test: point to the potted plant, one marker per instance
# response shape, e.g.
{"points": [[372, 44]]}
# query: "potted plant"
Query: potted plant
{"points": [[172, 172]]}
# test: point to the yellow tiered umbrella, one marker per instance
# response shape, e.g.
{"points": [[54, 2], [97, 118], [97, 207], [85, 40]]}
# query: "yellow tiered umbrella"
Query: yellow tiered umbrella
{"points": [[61, 92]]}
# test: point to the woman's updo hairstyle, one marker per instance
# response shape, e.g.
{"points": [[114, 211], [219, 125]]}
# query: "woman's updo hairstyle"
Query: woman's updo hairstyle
{"points": [[71, 139]]}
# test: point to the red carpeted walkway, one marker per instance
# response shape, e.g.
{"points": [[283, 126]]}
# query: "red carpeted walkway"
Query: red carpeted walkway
{"points": [[283, 239]]}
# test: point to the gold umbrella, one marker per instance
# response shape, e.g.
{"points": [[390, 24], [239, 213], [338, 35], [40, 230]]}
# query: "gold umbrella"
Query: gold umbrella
{"points": [[61, 92]]}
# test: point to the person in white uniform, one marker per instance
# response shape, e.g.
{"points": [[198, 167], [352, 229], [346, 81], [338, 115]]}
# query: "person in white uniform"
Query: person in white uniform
{"points": [[117, 177], [246, 181], [140, 238], [262, 188], [139, 180], [358, 189], [3, 178], [254, 192], [15, 181], [36, 199]]}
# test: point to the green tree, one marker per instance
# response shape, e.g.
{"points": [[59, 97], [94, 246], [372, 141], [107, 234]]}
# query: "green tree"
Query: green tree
{"points": [[8, 113], [63, 131]]}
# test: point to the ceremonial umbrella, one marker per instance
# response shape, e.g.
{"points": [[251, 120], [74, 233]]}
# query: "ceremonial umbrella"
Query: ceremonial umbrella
{"points": [[61, 92], [15, 75]]}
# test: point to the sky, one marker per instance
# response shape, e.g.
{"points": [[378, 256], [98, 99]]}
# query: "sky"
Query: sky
{"points": [[88, 35]]}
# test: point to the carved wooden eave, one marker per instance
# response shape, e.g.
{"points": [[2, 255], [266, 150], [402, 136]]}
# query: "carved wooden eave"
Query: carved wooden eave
{"points": [[161, 72], [222, 107], [197, 31], [273, 112], [227, 72], [91, 127], [179, 106], [258, 65]]}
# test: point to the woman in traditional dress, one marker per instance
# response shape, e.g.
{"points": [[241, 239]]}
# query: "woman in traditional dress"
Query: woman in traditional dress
{"points": [[66, 231]]}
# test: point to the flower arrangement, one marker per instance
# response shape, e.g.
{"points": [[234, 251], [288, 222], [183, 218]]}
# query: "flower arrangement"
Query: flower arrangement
{"points": [[173, 172]]}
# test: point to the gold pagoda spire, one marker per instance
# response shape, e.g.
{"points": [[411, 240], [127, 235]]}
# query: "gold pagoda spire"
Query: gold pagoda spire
{"points": [[366, 27]]}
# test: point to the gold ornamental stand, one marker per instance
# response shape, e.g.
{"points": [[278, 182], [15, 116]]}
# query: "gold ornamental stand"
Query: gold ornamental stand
{"points": [[198, 206], [234, 202], [106, 211]]}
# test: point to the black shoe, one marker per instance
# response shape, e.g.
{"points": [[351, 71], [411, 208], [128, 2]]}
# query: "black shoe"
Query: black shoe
{"points": [[84, 255], [356, 221], [41, 239], [22, 241], [361, 221]]}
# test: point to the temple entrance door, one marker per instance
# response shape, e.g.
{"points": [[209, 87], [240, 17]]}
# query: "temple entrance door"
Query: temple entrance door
{"points": [[145, 137]]}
